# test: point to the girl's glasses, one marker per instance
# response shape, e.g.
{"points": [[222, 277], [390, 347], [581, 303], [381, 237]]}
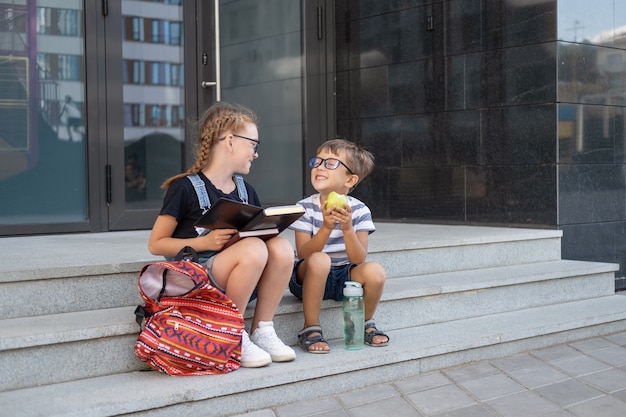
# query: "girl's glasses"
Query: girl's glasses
{"points": [[257, 142], [329, 163]]}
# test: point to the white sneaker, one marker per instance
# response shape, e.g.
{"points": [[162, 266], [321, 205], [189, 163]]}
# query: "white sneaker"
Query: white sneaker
{"points": [[265, 338], [253, 356]]}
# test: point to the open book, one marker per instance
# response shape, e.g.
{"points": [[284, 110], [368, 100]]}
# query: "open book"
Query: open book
{"points": [[249, 220]]}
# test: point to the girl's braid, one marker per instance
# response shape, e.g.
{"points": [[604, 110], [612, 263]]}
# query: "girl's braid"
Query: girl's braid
{"points": [[219, 118]]}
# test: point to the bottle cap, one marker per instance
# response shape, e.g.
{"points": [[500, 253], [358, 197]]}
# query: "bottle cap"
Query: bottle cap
{"points": [[352, 289]]}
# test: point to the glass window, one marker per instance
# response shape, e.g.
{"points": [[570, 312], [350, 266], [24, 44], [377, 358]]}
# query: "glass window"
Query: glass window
{"points": [[156, 25], [154, 78], [69, 67], [153, 144], [42, 95], [53, 21], [137, 29], [175, 34], [44, 20], [139, 68], [67, 22]]}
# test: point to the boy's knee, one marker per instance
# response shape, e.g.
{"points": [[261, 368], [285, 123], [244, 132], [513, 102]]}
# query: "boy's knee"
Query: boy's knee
{"points": [[373, 273], [319, 261]]}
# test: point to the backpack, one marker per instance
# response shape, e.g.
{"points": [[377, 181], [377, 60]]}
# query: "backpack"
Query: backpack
{"points": [[191, 327]]}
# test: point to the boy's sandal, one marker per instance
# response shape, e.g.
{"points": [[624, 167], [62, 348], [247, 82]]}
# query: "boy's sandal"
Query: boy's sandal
{"points": [[306, 340], [369, 336]]}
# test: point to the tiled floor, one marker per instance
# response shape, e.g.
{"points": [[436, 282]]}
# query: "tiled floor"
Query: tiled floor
{"points": [[579, 379]]}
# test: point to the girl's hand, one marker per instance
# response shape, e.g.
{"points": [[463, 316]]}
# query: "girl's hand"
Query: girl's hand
{"points": [[217, 238]]}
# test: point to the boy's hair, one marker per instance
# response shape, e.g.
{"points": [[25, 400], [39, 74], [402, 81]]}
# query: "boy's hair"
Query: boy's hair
{"points": [[359, 160], [216, 120]]}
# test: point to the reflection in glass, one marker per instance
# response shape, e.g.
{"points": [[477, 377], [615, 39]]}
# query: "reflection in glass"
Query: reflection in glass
{"points": [[591, 22], [591, 89], [262, 69], [42, 129], [153, 108]]}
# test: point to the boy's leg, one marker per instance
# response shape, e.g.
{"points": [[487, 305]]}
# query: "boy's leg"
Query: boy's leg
{"points": [[371, 275], [312, 273]]}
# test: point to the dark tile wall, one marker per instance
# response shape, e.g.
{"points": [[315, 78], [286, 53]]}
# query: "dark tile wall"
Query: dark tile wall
{"points": [[491, 112]]}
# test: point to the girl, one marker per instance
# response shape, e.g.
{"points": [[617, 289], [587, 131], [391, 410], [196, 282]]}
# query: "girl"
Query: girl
{"points": [[228, 143]]}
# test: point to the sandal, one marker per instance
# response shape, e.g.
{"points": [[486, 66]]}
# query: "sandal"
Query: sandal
{"points": [[306, 340], [369, 336]]}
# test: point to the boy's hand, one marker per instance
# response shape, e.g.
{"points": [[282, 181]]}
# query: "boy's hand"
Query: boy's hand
{"points": [[334, 215]]}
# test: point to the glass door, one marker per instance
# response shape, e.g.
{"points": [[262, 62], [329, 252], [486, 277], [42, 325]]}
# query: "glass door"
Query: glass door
{"points": [[97, 98], [43, 137], [179, 57], [252, 54], [146, 108]]}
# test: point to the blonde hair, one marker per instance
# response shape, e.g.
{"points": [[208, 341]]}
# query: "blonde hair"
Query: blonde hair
{"points": [[216, 120], [359, 160]]}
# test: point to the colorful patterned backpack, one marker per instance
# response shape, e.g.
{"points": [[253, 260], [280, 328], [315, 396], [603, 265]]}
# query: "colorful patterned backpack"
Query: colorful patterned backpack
{"points": [[191, 327]]}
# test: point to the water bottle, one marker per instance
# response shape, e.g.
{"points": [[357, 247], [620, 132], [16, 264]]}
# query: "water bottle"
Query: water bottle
{"points": [[353, 316]]}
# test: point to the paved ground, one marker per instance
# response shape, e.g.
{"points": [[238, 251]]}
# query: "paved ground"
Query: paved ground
{"points": [[580, 379]]}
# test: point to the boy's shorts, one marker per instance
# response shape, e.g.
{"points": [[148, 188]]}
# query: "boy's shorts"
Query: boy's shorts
{"points": [[337, 277]]}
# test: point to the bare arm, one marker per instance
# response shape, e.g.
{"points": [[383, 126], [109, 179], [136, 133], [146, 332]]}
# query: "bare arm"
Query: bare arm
{"points": [[162, 243], [356, 243]]}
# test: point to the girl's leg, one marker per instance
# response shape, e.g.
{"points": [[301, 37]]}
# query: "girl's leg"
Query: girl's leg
{"points": [[270, 290], [274, 279], [238, 269]]}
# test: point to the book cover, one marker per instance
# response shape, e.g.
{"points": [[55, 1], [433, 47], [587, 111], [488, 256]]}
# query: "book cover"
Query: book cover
{"points": [[279, 217], [227, 214], [261, 233]]}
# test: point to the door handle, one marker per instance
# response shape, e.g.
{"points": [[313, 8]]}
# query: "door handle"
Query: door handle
{"points": [[216, 35]]}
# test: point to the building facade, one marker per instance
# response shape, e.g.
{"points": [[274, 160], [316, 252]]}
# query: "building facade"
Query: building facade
{"points": [[501, 112], [490, 112]]}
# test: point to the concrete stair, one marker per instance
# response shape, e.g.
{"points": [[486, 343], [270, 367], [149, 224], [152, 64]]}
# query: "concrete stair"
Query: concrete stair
{"points": [[454, 294]]}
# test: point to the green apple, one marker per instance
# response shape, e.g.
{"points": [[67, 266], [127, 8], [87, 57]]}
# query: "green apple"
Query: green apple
{"points": [[336, 199]]}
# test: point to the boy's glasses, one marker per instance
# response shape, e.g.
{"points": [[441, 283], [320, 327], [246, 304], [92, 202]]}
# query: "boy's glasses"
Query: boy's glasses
{"points": [[257, 142], [329, 163]]}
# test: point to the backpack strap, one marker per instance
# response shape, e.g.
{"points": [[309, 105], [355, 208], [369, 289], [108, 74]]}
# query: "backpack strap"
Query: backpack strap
{"points": [[241, 188], [203, 196]]}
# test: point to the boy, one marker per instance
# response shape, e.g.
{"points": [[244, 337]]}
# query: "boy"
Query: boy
{"points": [[331, 243]]}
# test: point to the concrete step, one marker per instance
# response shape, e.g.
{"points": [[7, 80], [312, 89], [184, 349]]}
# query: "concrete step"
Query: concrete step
{"points": [[56, 348], [411, 351], [407, 250], [454, 294], [72, 272]]}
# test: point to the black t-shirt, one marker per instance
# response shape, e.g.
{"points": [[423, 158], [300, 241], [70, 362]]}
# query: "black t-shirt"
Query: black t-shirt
{"points": [[181, 202]]}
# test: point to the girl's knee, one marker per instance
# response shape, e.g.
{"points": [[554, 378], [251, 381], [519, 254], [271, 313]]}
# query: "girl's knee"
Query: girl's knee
{"points": [[280, 250], [253, 251]]}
